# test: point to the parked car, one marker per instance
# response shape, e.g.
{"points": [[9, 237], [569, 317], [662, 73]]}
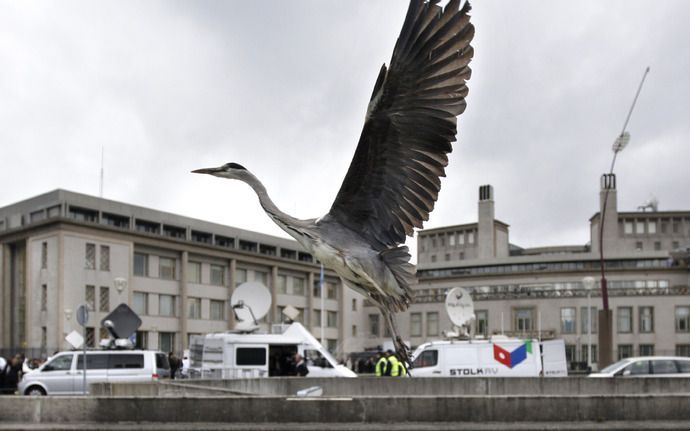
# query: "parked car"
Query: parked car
{"points": [[647, 366], [63, 374]]}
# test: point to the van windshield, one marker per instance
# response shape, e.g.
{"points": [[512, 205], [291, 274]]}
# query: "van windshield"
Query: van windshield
{"points": [[427, 358]]}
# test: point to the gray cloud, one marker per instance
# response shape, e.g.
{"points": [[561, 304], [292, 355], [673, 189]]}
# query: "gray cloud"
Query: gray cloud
{"points": [[282, 87]]}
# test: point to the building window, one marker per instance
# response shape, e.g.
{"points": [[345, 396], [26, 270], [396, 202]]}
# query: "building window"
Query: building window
{"points": [[317, 318], [166, 341], [595, 357], [675, 245], [103, 334], [141, 264], [217, 310], [217, 275], [584, 318], [90, 297], [683, 350], [105, 258], [451, 239], [298, 286], [194, 272], [282, 284], [461, 238], [44, 255], [470, 237], [261, 277], [331, 291], [433, 258], [646, 349], [166, 268], [568, 320], [354, 330], [524, 319], [628, 228], [44, 338], [140, 303], [646, 319], [44, 297], [657, 245], [447, 257], [432, 323], [332, 319], [90, 259], [240, 276], [90, 337], [624, 321], [415, 324], [104, 302], [639, 227], [638, 246], [354, 304], [141, 340], [625, 351], [166, 305], [482, 323], [682, 318], [194, 308], [316, 289], [374, 325], [570, 351], [651, 227]]}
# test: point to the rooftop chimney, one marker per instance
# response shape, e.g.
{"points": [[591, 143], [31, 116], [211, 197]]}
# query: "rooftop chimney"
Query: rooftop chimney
{"points": [[486, 234]]}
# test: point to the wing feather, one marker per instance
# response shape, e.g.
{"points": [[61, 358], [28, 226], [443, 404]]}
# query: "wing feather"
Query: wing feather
{"points": [[394, 178]]}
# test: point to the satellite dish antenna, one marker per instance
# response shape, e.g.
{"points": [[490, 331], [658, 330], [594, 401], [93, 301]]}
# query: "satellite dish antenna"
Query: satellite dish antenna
{"points": [[250, 302], [291, 312], [460, 307]]}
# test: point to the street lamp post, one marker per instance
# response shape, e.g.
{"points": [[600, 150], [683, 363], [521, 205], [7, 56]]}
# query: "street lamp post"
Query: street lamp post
{"points": [[605, 315], [588, 283]]}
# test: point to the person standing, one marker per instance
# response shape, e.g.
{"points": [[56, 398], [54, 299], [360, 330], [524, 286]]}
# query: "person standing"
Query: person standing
{"points": [[393, 364], [382, 368], [300, 366], [174, 364]]}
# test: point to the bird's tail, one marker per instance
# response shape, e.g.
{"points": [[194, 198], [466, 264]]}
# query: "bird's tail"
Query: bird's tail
{"points": [[398, 261]]}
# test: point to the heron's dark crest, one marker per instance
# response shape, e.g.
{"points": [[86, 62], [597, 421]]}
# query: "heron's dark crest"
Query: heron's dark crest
{"points": [[393, 180]]}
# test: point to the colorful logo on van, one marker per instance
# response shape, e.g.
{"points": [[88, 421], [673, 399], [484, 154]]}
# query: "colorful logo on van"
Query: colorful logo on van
{"points": [[511, 359]]}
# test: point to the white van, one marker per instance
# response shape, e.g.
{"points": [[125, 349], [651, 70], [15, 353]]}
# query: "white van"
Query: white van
{"points": [[496, 357], [230, 355], [63, 374]]}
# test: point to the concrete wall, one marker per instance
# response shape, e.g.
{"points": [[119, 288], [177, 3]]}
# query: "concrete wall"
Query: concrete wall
{"points": [[421, 387], [47, 410]]}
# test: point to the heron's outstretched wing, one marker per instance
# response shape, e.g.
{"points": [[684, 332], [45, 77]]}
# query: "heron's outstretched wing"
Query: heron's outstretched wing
{"points": [[394, 178]]}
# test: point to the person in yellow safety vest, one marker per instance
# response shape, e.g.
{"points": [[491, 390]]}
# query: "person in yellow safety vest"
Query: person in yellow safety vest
{"points": [[403, 369], [381, 365], [393, 364]]}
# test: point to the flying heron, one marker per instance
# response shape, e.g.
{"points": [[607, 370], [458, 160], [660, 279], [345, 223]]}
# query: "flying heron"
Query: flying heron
{"points": [[394, 178]]}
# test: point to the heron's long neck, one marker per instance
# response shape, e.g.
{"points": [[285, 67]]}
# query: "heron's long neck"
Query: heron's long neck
{"points": [[285, 221]]}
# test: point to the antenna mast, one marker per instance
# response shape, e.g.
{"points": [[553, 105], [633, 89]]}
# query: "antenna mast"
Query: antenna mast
{"points": [[101, 185]]}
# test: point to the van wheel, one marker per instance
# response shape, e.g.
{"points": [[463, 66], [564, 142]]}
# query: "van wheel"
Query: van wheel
{"points": [[35, 390]]}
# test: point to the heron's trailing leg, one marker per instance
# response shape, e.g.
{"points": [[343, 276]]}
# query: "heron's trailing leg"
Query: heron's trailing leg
{"points": [[401, 348]]}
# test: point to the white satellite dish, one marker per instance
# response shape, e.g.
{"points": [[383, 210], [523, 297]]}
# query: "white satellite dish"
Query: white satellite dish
{"points": [[291, 312], [460, 307], [250, 301]]}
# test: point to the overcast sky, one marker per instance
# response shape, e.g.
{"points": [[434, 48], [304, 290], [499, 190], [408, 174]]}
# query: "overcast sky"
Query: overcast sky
{"points": [[281, 87]]}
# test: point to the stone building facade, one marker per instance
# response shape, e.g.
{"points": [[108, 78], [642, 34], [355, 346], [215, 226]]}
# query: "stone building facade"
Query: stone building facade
{"points": [[62, 249], [539, 292]]}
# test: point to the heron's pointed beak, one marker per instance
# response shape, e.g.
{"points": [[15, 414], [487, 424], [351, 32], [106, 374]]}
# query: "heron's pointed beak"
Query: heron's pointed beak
{"points": [[206, 171]]}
